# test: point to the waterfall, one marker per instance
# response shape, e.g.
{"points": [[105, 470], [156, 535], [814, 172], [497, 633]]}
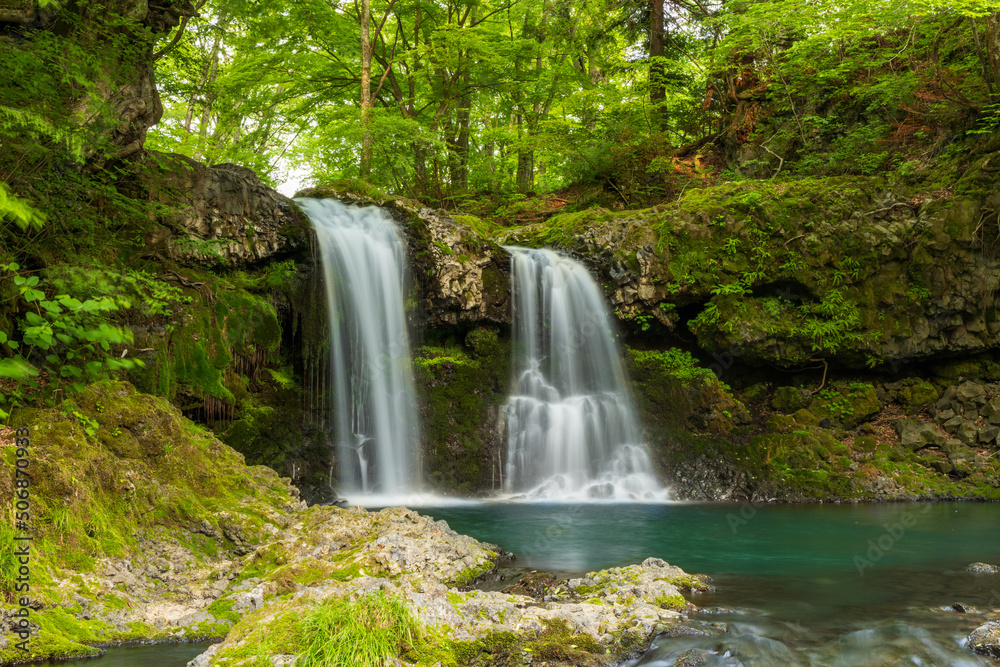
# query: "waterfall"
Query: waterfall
{"points": [[572, 431], [374, 411]]}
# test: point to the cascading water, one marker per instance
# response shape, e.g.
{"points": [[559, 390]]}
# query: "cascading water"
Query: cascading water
{"points": [[572, 431], [374, 410]]}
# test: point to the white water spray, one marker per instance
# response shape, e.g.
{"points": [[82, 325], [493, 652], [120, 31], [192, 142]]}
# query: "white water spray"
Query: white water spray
{"points": [[374, 410], [572, 431]]}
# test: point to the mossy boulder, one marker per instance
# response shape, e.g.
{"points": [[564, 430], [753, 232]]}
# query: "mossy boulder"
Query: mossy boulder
{"points": [[791, 399], [846, 404], [917, 396]]}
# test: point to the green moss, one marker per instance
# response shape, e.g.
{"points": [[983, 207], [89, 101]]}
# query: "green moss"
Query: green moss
{"points": [[676, 602], [459, 386]]}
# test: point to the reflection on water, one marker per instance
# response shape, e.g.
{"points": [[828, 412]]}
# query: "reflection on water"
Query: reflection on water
{"points": [[151, 655], [840, 585]]}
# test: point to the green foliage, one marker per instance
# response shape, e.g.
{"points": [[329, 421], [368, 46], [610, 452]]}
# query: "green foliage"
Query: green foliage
{"points": [[73, 335], [357, 633], [676, 363]]}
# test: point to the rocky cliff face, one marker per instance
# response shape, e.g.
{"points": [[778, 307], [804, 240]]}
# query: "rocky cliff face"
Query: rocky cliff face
{"points": [[220, 215], [856, 271], [463, 279]]}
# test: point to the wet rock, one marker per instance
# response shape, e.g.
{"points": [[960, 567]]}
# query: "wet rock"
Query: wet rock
{"points": [[463, 278], [983, 568], [693, 658], [985, 640], [963, 608]]}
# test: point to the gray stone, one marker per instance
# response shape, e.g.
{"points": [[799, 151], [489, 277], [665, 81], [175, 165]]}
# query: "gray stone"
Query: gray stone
{"points": [[952, 424], [968, 433], [971, 392], [942, 466], [205, 659], [988, 434], [963, 460], [945, 415], [972, 414], [991, 408], [917, 434], [237, 220]]}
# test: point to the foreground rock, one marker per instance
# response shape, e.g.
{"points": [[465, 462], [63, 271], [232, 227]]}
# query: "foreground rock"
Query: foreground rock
{"points": [[985, 640], [596, 620], [983, 568]]}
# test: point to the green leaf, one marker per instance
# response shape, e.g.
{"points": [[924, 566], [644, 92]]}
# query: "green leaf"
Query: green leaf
{"points": [[16, 368], [52, 359], [69, 370], [34, 319], [78, 386]]}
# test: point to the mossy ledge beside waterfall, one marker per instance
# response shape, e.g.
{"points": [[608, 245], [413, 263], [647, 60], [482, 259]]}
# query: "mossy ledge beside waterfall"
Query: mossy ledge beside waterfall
{"points": [[572, 431], [375, 431]]}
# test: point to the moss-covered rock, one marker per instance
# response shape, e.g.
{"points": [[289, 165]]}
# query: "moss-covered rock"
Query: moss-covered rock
{"points": [[846, 404], [461, 389], [791, 399]]}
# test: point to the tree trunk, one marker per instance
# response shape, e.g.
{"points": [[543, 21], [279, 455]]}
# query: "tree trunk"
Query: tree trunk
{"points": [[657, 86], [207, 82], [366, 90], [992, 45]]}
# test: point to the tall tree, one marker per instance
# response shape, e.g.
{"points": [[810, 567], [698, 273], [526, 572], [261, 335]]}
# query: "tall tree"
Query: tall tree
{"points": [[366, 90], [657, 71]]}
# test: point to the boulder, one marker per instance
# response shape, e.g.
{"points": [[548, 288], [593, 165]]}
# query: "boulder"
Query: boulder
{"points": [[916, 435], [985, 640], [952, 424], [983, 568], [963, 460], [971, 392], [968, 433], [988, 434], [991, 408], [219, 216], [791, 399]]}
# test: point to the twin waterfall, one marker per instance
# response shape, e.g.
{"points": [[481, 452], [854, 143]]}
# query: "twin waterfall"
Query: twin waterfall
{"points": [[375, 415], [572, 432]]}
